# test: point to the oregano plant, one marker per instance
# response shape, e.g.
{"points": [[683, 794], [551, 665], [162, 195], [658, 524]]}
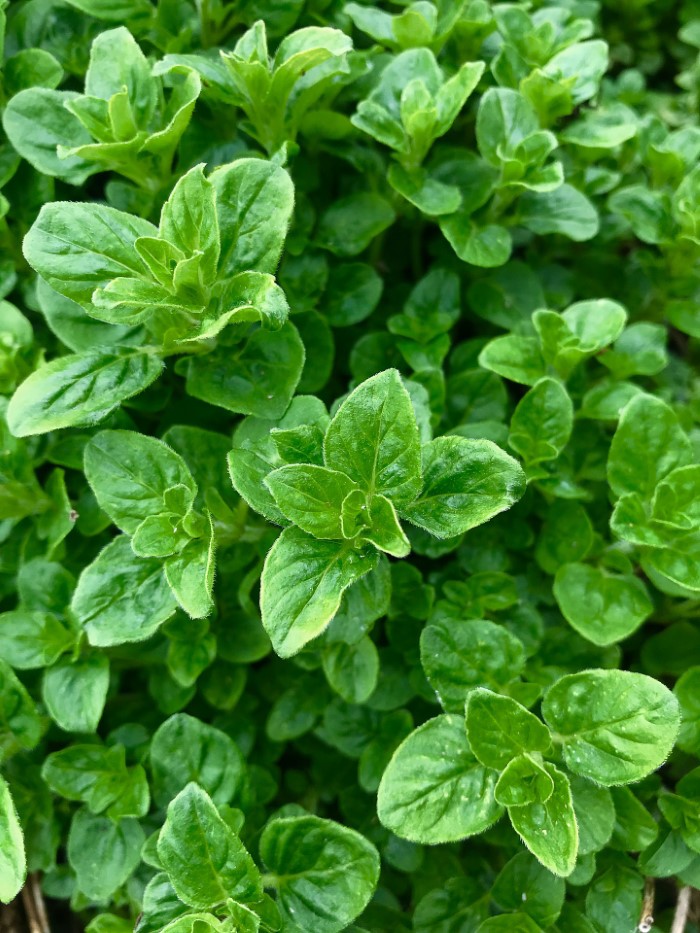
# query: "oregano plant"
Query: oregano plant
{"points": [[349, 466]]}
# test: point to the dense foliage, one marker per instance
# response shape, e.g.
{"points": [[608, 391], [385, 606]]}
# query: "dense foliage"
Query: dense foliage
{"points": [[350, 464]]}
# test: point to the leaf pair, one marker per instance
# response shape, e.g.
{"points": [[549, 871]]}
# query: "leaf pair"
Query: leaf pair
{"points": [[561, 342], [323, 874], [188, 278], [412, 105], [275, 92], [421, 23], [121, 123], [345, 498], [148, 491], [510, 139], [97, 776], [446, 782], [42, 633], [652, 471], [206, 267]]}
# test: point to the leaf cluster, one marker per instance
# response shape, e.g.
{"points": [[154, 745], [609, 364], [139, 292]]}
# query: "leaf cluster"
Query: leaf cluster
{"points": [[350, 464]]}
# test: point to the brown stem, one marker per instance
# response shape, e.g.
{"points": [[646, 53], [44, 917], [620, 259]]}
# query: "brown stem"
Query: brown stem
{"points": [[34, 906], [646, 921], [680, 918], [30, 911], [10, 921], [38, 896], [695, 905]]}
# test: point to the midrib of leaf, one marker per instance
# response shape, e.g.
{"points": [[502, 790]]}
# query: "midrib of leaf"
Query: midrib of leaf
{"points": [[96, 252], [346, 548], [137, 481], [215, 870], [311, 905], [110, 602], [380, 435], [613, 722], [452, 778], [441, 493], [225, 258], [91, 375], [322, 872]]}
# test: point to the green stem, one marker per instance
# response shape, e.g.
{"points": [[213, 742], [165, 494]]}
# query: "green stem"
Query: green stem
{"points": [[376, 249], [204, 32], [501, 201], [417, 250]]}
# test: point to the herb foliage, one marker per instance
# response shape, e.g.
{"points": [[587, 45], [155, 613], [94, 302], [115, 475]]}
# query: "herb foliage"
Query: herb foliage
{"points": [[349, 463]]}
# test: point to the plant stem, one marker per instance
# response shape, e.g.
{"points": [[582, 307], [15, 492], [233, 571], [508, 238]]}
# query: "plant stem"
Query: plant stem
{"points": [[9, 917], [34, 906], [680, 918], [417, 250], [646, 921], [204, 34]]}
